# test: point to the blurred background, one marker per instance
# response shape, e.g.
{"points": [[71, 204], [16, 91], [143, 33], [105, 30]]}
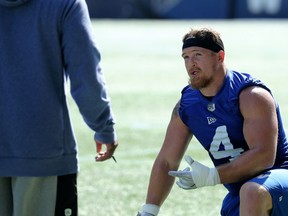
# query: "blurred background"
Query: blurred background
{"points": [[140, 44], [187, 9]]}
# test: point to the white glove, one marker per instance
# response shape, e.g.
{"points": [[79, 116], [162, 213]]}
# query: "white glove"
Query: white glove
{"points": [[149, 210], [199, 176]]}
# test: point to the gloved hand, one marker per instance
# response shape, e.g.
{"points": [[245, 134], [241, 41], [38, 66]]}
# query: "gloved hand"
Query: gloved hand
{"points": [[149, 210], [199, 176]]}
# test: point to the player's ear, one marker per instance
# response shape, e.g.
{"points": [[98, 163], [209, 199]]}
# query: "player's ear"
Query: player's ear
{"points": [[221, 56]]}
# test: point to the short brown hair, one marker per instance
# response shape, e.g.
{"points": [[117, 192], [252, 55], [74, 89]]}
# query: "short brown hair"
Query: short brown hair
{"points": [[203, 37]]}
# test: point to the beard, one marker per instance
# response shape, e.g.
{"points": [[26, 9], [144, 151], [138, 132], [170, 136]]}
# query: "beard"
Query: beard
{"points": [[199, 83]]}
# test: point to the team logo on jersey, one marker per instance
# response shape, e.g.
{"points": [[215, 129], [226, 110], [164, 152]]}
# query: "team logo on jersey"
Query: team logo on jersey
{"points": [[211, 107], [211, 120]]}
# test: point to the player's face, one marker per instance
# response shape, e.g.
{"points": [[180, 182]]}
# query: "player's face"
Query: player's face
{"points": [[200, 64]]}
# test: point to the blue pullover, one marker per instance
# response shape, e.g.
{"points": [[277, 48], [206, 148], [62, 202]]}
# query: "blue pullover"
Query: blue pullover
{"points": [[43, 43]]}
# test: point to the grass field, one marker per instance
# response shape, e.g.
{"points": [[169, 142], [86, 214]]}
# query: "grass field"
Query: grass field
{"points": [[145, 74]]}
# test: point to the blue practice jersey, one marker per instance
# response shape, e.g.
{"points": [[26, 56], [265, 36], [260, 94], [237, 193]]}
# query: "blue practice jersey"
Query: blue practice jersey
{"points": [[218, 124]]}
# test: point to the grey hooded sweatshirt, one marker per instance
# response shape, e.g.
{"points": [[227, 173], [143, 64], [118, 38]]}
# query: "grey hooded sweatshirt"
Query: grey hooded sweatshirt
{"points": [[43, 43]]}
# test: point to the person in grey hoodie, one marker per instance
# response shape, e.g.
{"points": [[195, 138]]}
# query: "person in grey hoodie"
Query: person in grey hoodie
{"points": [[43, 43]]}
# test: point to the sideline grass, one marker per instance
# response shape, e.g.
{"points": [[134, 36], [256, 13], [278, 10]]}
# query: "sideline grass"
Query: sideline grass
{"points": [[145, 74]]}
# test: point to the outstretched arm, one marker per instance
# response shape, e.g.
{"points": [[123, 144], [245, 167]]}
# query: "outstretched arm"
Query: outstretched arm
{"points": [[175, 144]]}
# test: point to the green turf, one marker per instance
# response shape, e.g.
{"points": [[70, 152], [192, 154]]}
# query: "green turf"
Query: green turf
{"points": [[145, 74]]}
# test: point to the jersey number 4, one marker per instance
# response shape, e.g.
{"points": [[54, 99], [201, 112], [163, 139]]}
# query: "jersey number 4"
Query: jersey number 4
{"points": [[221, 147]]}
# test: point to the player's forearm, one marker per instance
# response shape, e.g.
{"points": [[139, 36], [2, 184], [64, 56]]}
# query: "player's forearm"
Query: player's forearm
{"points": [[245, 166], [157, 193], [160, 184]]}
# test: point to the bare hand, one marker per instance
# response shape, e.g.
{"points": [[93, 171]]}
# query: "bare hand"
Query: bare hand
{"points": [[110, 148]]}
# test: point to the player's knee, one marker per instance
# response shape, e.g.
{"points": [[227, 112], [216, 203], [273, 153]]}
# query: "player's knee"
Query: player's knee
{"points": [[253, 194], [249, 191]]}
